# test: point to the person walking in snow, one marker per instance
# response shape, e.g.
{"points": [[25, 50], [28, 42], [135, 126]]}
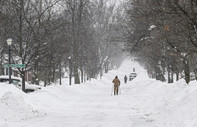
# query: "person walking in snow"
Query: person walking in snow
{"points": [[116, 82], [125, 79]]}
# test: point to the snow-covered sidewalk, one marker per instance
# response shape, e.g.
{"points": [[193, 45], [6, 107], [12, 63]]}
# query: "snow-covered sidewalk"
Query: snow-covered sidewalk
{"points": [[143, 102]]}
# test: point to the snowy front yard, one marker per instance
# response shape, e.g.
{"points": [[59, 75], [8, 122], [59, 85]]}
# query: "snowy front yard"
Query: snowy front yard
{"points": [[143, 102]]}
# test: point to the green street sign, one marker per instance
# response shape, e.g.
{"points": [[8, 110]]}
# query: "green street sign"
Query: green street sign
{"points": [[6, 65], [15, 65]]}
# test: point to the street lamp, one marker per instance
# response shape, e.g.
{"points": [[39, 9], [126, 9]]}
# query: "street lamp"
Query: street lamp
{"points": [[9, 42]]}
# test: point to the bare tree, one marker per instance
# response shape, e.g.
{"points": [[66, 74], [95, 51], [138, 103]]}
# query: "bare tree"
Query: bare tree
{"points": [[168, 23]]}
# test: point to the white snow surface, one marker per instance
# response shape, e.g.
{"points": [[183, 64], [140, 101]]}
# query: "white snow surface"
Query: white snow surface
{"points": [[143, 102]]}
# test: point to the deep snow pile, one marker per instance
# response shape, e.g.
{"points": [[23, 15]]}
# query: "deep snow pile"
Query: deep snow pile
{"points": [[143, 102], [171, 105], [13, 106]]}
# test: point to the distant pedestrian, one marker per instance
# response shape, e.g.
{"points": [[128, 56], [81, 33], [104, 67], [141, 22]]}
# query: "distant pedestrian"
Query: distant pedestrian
{"points": [[116, 82], [125, 79]]}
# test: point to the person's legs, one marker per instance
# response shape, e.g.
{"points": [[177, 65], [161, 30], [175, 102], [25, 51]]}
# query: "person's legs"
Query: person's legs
{"points": [[115, 90]]}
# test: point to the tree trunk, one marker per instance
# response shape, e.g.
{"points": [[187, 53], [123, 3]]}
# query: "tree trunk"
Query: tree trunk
{"points": [[168, 76], [106, 67], [60, 72], [82, 74], [177, 76], [76, 74], [101, 73], [50, 70], [36, 80], [1, 66], [70, 71], [53, 74], [45, 77], [172, 77], [84, 77], [195, 72], [23, 80], [186, 70]]}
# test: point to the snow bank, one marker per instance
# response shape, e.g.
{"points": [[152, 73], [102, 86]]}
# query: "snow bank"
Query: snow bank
{"points": [[4, 125], [13, 106], [172, 105], [184, 110]]}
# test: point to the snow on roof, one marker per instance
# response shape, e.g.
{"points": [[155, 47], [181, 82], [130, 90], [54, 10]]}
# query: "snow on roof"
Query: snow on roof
{"points": [[7, 77]]}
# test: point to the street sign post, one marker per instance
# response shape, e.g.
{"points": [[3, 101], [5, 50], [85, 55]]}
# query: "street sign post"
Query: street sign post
{"points": [[14, 65]]}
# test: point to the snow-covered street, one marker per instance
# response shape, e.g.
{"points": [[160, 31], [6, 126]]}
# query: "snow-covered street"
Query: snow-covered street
{"points": [[98, 63], [143, 102]]}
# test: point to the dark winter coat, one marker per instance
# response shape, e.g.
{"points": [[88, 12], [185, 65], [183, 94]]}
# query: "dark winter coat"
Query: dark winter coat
{"points": [[116, 82]]}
